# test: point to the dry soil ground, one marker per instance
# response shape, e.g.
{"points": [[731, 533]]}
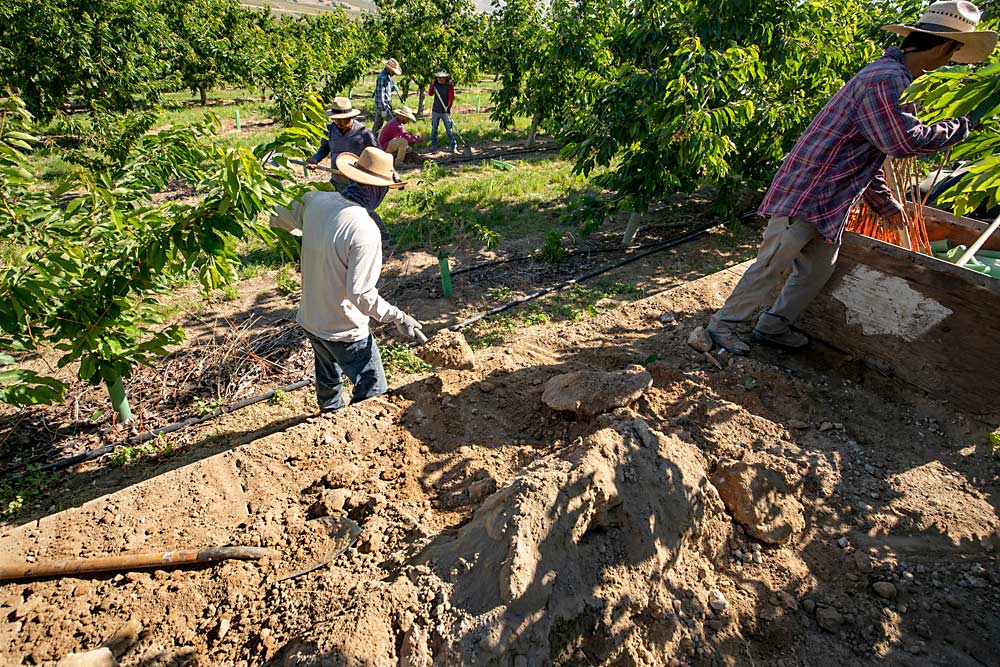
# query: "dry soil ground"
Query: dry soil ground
{"points": [[495, 531]]}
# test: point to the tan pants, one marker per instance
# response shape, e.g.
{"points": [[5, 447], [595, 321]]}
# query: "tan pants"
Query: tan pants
{"points": [[789, 244], [398, 147]]}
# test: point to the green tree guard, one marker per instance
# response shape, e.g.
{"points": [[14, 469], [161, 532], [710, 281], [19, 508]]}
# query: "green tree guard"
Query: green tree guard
{"points": [[445, 275], [116, 390], [237, 120]]}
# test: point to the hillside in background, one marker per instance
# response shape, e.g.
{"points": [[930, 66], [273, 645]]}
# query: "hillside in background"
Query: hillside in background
{"points": [[312, 6]]}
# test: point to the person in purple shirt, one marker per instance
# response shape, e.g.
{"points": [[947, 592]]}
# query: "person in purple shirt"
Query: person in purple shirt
{"points": [[837, 161], [344, 135]]}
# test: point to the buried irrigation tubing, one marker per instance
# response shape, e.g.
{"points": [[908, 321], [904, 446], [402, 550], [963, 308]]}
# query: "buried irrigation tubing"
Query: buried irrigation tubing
{"points": [[61, 464]]}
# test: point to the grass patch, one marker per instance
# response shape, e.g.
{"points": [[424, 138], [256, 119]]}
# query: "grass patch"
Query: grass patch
{"points": [[286, 281], [124, 455], [526, 201]]}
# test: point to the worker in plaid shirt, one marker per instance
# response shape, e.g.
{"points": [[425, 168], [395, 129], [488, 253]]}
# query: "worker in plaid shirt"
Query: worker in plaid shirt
{"points": [[839, 160], [384, 87]]}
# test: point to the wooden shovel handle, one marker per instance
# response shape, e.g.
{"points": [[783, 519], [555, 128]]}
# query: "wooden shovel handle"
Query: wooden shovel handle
{"points": [[70, 567]]}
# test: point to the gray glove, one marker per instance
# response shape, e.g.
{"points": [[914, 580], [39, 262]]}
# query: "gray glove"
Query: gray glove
{"points": [[410, 328]]}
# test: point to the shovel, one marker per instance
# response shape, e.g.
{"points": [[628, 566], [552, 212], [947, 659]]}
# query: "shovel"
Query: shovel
{"points": [[466, 149]]}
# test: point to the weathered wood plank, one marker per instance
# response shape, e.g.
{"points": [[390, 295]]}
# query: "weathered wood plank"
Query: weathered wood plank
{"points": [[923, 320], [962, 231]]}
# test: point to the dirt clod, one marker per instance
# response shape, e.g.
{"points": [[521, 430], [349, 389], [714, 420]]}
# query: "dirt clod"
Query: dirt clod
{"points": [[100, 657], [447, 349], [760, 498], [590, 393], [700, 340]]}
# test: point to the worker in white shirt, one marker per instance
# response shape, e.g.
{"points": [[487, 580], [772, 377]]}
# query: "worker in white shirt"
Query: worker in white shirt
{"points": [[341, 263]]}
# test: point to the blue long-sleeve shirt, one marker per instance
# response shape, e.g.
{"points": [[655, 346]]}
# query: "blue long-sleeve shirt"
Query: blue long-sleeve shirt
{"points": [[384, 86], [355, 140]]}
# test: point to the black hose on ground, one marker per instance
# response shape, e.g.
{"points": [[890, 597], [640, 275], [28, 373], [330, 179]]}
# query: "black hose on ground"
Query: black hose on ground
{"points": [[62, 464]]}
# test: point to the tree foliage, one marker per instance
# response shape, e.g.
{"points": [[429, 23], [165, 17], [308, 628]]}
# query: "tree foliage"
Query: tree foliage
{"points": [[428, 35], [93, 267], [714, 92], [104, 54]]}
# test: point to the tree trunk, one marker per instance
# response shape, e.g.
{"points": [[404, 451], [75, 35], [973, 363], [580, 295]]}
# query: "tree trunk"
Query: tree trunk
{"points": [[204, 96], [420, 102], [535, 120], [631, 228]]}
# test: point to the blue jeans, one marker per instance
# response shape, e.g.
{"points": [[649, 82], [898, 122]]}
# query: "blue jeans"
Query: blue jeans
{"points": [[360, 361], [436, 118]]}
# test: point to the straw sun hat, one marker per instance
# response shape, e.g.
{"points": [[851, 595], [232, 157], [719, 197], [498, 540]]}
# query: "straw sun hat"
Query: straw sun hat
{"points": [[393, 66], [373, 167], [342, 108], [405, 112], [956, 21]]}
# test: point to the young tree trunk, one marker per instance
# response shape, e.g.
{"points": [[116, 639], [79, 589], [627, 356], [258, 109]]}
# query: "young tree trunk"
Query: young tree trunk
{"points": [[204, 96], [535, 120], [420, 103], [631, 228]]}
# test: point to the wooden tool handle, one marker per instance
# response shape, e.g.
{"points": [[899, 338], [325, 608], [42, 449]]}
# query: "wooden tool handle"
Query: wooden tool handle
{"points": [[62, 568]]}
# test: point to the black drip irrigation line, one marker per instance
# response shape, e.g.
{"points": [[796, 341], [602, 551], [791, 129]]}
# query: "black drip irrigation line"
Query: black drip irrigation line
{"points": [[664, 245], [61, 464]]}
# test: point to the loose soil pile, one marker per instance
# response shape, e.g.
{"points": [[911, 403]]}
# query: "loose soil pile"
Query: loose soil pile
{"points": [[495, 530]]}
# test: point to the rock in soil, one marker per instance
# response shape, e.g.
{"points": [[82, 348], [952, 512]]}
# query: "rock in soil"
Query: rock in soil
{"points": [[101, 657], [447, 349], [700, 340], [884, 589], [122, 639], [829, 619], [590, 393], [760, 498]]}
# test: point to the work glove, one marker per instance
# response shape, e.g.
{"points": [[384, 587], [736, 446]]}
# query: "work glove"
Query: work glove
{"points": [[410, 328]]}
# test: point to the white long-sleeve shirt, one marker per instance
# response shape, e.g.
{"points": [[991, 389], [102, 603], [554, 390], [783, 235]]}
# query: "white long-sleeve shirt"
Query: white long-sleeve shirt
{"points": [[341, 263]]}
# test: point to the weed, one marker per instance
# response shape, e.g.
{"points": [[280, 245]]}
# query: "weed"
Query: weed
{"points": [[230, 292], [552, 250], [126, 454], [279, 397], [995, 443], [535, 316], [618, 288], [500, 294], [15, 496], [650, 359], [494, 331], [399, 358], [203, 407], [286, 283]]}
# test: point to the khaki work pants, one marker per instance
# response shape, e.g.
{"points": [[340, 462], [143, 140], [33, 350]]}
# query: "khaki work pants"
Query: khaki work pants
{"points": [[789, 244], [398, 148]]}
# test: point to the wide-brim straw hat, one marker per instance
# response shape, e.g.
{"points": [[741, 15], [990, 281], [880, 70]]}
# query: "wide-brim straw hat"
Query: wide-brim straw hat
{"points": [[405, 112], [342, 108], [442, 74], [957, 21], [393, 66], [372, 167]]}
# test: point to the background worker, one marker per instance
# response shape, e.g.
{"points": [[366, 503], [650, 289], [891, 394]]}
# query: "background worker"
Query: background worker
{"points": [[344, 134], [394, 138], [341, 263], [839, 160], [442, 93], [384, 88]]}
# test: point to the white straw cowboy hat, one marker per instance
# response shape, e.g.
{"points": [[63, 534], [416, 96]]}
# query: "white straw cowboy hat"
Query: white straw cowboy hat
{"points": [[442, 74], [342, 108], [405, 112], [957, 21], [392, 66], [373, 167]]}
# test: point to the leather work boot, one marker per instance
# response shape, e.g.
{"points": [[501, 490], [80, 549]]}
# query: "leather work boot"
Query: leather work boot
{"points": [[790, 340], [729, 341]]}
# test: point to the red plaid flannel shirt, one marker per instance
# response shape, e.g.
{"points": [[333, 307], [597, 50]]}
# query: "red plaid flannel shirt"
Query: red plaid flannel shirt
{"points": [[839, 157]]}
